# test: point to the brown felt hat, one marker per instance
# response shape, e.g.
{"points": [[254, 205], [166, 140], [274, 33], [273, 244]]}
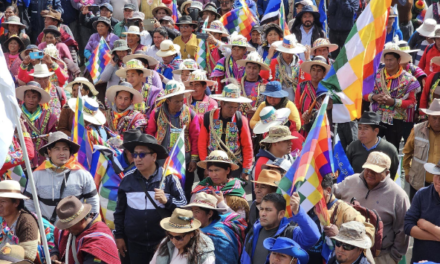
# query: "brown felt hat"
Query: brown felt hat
{"points": [[70, 211]]}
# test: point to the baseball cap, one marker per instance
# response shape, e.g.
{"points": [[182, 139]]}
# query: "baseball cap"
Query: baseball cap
{"points": [[378, 162], [108, 6]]}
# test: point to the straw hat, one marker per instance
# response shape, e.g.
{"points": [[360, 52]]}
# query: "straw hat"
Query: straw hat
{"points": [[391, 47], [217, 156], [16, 38], [253, 57], [377, 161], [41, 71], [289, 45], [278, 134], [59, 136], [187, 65], [11, 189], [427, 28], [205, 200], [123, 86], [12, 254], [432, 168], [141, 55], [133, 30], [269, 177], [199, 76], [84, 81], [162, 6], [269, 117], [434, 108], [13, 20], [231, 93], [173, 88], [133, 65], [182, 7], [238, 41], [168, 48], [137, 16], [317, 60], [353, 233], [91, 111], [32, 85], [71, 211], [217, 27], [181, 221], [52, 14], [323, 43]]}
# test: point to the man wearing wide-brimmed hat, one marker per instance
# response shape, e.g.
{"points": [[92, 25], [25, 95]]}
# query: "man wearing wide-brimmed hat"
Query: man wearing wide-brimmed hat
{"points": [[198, 100], [167, 121], [14, 27], [59, 176], [37, 119], [134, 206], [119, 51], [186, 68], [122, 116], [420, 149], [81, 236], [187, 41], [227, 129], [393, 94]]}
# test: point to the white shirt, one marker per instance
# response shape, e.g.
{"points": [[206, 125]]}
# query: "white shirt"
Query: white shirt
{"points": [[151, 51], [181, 259]]}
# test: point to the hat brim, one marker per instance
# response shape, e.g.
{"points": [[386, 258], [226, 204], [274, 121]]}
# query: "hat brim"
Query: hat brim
{"points": [[95, 23], [425, 33], [281, 116], [89, 85], [132, 32], [151, 61], [208, 82], [62, 226], [167, 9], [306, 66], [124, 48], [331, 47], [164, 223], [22, 26], [19, 93], [161, 152], [296, 252], [212, 11], [13, 195], [123, 72], [55, 32], [430, 112], [248, 48], [276, 94], [243, 63], [432, 168], [111, 93], [298, 49], [179, 71], [371, 124], [186, 23], [224, 34], [241, 99], [202, 164], [274, 184], [173, 94], [57, 19], [97, 119], [41, 75], [73, 146], [375, 168], [365, 243], [404, 57], [220, 210], [160, 53]]}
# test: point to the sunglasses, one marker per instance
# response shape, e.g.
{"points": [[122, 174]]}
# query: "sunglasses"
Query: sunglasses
{"points": [[178, 238], [141, 154], [344, 246]]}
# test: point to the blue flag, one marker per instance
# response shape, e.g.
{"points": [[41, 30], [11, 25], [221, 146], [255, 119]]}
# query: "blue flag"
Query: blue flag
{"points": [[341, 161], [323, 15]]}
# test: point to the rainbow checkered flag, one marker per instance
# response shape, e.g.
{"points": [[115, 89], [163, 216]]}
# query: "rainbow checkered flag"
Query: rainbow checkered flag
{"points": [[80, 136], [175, 163], [98, 60], [283, 24], [201, 51], [17, 174], [353, 72], [175, 15], [240, 20]]}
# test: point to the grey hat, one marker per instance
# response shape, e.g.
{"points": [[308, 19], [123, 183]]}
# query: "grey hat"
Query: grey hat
{"points": [[186, 20], [129, 6], [52, 29], [120, 45], [167, 18], [353, 233], [59, 137], [104, 20], [211, 7], [13, 20], [137, 15]]}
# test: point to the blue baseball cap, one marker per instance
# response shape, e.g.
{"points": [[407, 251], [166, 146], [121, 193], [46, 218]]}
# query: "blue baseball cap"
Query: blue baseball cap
{"points": [[108, 6], [286, 246], [274, 89]]}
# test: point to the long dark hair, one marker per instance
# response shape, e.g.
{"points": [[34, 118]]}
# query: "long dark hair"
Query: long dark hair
{"points": [[191, 249]]}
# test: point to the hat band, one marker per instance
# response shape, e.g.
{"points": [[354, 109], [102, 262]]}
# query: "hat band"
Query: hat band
{"points": [[186, 226], [171, 90], [231, 94], [69, 219], [195, 78], [171, 48], [278, 136], [217, 158], [90, 109], [287, 44], [404, 48], [10, 191], [205, 202], [269, 117], [239, 42]]}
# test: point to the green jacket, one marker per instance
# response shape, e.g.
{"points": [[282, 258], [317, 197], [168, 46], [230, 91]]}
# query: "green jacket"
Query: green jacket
{"points": [[119, 28]]}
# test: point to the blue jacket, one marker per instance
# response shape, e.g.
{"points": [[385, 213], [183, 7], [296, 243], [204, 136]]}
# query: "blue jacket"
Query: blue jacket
{"points": [[26, 2], [306, 234], [341, 14], [262, 5], [136, 218], [37, 21]]}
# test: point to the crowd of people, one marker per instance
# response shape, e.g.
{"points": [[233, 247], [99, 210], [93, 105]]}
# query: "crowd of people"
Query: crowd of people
{"points": [[244, 114]]}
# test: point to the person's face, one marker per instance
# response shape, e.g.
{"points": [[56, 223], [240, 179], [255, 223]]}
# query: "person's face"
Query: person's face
{"points": [[347, 256], [307, 20], [269, 217], [13, 47], [146, 162], [201, 215], [133, 39], [435, 181], [287, 57], [157, 39], [252, 71], [160, 14], [218, 175], [327, 194], [225, 5], [185, 75], [31, 99], [199, 89], [168, 59], [366, 134], [186, 237], [9, 12], [284, 147], [123, 100], [434, 122], [44, 82], [228, 109], [102, 28], [175, 103], [7, 207], [280, 258], [390, 22], [59, 154], [209, 14], [261, 190], [317, 73], [167, 24], [272, 100], [255, 36], [106, 13], [299, 8], [322, 52], [238, 52], [50, 39], [77, 228], [135, 78], [391, 62], [272, 36], [186, 30], [75, 88], [128, 13], [48, 21], [437, 42], [121, 54], [217, 36], [373, 178], [13, 29]]}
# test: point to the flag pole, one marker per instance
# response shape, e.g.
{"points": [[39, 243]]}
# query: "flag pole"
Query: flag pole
{"points": [[161, 186], [34, 191]]}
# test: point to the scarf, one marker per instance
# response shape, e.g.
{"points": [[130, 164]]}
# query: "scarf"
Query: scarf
{"points": [[72, 164], [118, 116], [6, 232], [32, 116], [389, 78], [232, 187]]}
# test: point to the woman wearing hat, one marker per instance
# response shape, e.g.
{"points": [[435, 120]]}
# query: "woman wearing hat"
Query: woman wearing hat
{"points": [[104, 29], [161, 10], [219, 167], [184, 8], [221, 224], [53, 36], [12, 26], [198, 100], [184, 242], [134, 39], [170, 60], [218, 36], [272, 33], [12, 55], [187, 41]]}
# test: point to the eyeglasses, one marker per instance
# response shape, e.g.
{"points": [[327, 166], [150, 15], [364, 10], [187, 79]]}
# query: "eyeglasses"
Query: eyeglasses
{"points": [[344, 246], [178, 238], [141, 154]]}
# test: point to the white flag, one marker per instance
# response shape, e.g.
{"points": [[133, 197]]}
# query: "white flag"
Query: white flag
{"points": [[9, 109]]}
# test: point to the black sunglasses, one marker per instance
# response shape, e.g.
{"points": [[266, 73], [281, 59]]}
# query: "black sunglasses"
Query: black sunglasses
{"points": [[344, 246], [141, 154], [178, 238]]}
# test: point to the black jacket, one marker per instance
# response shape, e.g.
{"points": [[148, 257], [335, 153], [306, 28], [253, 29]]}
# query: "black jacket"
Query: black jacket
{"points": [[341, 14], [87, 21]]}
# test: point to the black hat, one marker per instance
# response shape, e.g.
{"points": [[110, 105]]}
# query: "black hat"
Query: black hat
{"points": [[370, 118], [277, 28], [105, 21], [52, 29], [307, 9], [186, 20], [131, 135], [150, 142]]}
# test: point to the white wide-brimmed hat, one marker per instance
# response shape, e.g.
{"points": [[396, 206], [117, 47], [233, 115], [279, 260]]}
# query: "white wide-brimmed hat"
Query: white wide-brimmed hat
{"points": [[217, 27], [41, 71], [123, 86], [91, 111], [168, 48], [269, 117], [253, 57], [391, 47], [133, 64], [239, 41], [404, 46], [11, 189], [84, 81], [427, 29], [199, 76], [205, 200], [434, 108], [32, 85], [133, 30], [187, 65], [289, 45], [173, 88], [317, 60], [432, 168], [231, 93], [217, 156]]}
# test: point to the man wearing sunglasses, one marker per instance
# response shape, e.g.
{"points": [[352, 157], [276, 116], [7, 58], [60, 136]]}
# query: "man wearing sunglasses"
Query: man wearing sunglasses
{"points": [[350, 244]]}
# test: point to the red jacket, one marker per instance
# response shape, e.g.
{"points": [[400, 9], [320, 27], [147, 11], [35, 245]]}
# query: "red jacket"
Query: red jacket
{"points": [[425, 62]]}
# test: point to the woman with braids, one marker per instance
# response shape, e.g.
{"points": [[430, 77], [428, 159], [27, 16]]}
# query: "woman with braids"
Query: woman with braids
{"points": [[184, 242]]}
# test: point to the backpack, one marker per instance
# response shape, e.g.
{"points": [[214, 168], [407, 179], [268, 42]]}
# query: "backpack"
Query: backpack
{"points": [[372, 217]]}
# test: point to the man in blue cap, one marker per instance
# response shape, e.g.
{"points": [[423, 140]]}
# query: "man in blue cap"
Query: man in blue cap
{"points": [[284, 250]]}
